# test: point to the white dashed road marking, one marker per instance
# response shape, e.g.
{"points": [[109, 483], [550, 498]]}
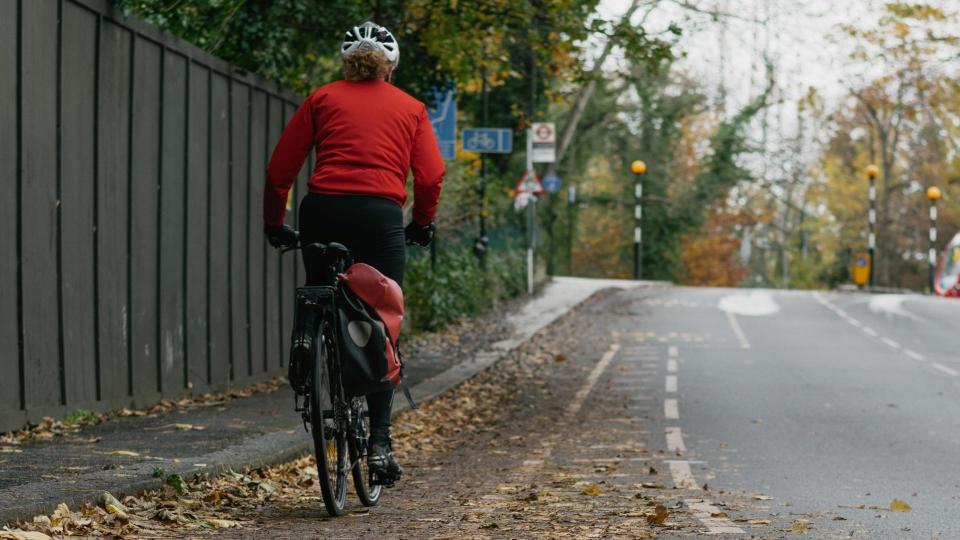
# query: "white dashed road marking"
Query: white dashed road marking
{"points": [[948, 370], [869, 331], [705, 512], [672, 365], [588, 385], [915, 355], [670, 409], [671, 385], [682, 476], [672, 351], [675, 440], [741, 337], [890, 343]]}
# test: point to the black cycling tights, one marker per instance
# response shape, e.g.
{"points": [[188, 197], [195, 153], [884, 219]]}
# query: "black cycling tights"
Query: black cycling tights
{"points": [[372, 229]]}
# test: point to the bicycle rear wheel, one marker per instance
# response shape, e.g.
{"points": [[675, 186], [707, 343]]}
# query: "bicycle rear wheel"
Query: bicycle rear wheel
{"points": [[329, 436], [358, 444]]}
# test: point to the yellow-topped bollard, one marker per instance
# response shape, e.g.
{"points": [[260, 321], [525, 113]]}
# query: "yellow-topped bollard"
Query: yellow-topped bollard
{"points": [[638, 167], [873, 171], [933, 193]]}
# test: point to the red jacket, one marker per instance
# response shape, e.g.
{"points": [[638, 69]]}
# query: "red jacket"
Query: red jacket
{"points": [[367, 136]]}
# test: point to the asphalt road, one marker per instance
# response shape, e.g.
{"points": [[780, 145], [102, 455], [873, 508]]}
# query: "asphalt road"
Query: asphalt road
{"points": [[832, 405]]}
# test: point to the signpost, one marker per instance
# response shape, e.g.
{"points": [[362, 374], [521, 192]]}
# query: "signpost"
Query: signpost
{"points": [[488, 140], [444, 121], [544, 142]]}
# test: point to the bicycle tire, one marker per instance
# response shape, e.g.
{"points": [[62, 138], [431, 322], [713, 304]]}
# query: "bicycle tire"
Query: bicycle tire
{"points": [[368, 494], [329, 438]]}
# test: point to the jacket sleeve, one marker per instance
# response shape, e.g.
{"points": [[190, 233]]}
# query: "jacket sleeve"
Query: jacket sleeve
{"points": [[287, 160], [428, 170]]}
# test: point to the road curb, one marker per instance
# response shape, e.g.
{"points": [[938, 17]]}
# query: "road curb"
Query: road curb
{"points": [[27, 500]]}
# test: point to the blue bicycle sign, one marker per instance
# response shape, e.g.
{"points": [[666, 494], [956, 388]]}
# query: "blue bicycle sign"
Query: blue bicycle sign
{"points": [[488, 140]]}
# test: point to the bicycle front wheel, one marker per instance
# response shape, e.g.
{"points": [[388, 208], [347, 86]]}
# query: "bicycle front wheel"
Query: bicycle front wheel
{"points": [[329, 437]]}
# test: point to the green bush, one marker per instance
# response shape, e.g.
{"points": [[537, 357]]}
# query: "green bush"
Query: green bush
{"points": [[459, 287]]}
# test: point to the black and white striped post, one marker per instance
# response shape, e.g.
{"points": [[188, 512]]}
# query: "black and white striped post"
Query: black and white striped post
{"points": [[638, 168], [872, 172], [933, 194]]}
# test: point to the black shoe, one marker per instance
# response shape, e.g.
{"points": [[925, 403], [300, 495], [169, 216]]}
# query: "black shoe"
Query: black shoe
{"points": [[384, 469]]}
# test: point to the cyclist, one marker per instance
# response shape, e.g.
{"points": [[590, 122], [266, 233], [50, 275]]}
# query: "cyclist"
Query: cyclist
{"points": [[367, 134]]}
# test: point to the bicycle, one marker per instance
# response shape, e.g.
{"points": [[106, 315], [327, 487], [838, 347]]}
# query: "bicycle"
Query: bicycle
{"points": [[339, 425]]}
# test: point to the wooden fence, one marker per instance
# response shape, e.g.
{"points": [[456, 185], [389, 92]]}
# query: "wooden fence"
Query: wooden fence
{"points": [[132, 258]]}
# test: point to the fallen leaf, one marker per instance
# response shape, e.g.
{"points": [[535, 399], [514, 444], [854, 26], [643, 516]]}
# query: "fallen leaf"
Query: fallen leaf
{"points": [[759, 522], [799, 526], [898, 505], [762, 498], [223, 523], [125, 453], [592, 490], [23, 535], [659, 516]]}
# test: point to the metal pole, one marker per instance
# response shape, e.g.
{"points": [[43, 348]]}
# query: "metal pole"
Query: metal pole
{"points": [[933, 244], [872, 240], [531, 234], [638, 228], [482, 240]]}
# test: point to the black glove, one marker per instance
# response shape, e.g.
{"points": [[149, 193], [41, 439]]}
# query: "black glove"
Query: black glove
{"points": [[280, 236], [420, 235]]}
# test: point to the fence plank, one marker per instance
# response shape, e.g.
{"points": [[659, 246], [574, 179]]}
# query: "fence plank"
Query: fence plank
{"points": [[111, 227], [288, 264], [219, 292], [38, 202], [241, 219], [196, 238], [273, 353], [78, 180], [144, 182], [172, 219], [257, 245], [9, 332]]}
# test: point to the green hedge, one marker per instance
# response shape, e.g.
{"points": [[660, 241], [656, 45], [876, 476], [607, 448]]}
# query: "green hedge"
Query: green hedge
{"points": [[459, 287]]}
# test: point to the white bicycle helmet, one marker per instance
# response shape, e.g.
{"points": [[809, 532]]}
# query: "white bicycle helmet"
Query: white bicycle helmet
{"points": [[371, 35]]}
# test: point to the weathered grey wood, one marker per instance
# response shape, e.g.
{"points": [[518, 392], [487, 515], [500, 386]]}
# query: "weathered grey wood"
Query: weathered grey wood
{"points": [[112, 227], [196, 237], [9, 330], [144, 184], [273, 351], [38, 205], [240, 225], [219, 292], [288, 265], [172, 219], [78, 154], [257, 244]]}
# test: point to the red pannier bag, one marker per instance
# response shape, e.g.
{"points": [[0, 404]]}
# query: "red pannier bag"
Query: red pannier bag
{"points": [[370, 314]]}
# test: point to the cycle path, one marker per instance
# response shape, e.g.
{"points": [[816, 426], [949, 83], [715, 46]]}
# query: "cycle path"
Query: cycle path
{"points": [[122, 454]]}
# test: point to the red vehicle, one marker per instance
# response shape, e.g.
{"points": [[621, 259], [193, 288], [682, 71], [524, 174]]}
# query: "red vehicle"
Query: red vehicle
{"points": [[947, 279]]}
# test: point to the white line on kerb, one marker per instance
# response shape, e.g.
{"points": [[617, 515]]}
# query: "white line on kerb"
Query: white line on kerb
{"points": [[578, 399], [671, 385], [890, 343], [670, 409], [675, 440], [672, 365], [682, 476], [948, 370], [915, 355], [738, 331], [705, 511], [672, 351]]}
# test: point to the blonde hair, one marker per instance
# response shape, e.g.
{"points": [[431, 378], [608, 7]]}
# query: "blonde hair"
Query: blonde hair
{"points": [[366, 65]]}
